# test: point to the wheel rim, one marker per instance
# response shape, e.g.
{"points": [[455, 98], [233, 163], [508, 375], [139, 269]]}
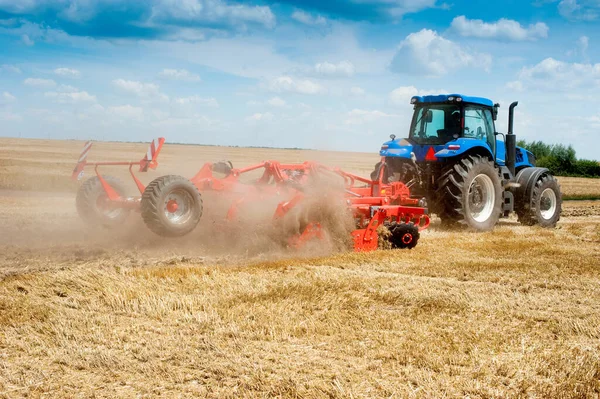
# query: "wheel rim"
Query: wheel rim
{"points": [[103, 204], [548, 203], [407, 238], [178, 206], [480, 202]]}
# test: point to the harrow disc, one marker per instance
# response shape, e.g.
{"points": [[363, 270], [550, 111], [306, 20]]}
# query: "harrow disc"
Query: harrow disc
{"points": [[403, 235]]}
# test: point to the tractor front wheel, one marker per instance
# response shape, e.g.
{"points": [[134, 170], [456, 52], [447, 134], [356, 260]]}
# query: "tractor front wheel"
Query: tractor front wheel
{"points": [[544, 205], [470, 193], [171, 206], [93, 205]]}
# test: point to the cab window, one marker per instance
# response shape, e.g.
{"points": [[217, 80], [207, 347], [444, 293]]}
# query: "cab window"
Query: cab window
{"points": [[435, 123], [479, 125]]}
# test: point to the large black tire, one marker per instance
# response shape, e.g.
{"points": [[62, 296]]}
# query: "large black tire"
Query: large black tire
{"points": [[403, 235], [93, 205], [544, 205], [171, 206], [376, 171], [470, 193]]}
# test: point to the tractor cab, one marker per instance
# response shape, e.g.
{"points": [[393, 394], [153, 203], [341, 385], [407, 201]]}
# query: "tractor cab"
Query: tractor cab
{"points": [[440, 119], [448, 126]]}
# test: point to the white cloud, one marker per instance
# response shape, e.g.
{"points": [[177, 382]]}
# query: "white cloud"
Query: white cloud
{"points": [[35, 82], [581, 47], [196, 100], [357, 91], [276, 102], [10, 68], [572, 10], [215, 11], [361, 116], [9, 22], [71, 97], [7, 98], [179, 74], [308, 19], [10, 116], [190, 107], [409, 6], [427, 53], [250, 57], [555, 75], [127, 112], [67, 89], [27, 40], [342, 69], [403, 94], [260, 117], [501, 29], [143, 90], [515, 86], [67, 72], [288, 84], [582, 43], [137, 88], [92, 111]]}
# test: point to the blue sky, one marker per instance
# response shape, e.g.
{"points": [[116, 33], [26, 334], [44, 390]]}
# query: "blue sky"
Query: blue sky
{"points": [[334, 74]]}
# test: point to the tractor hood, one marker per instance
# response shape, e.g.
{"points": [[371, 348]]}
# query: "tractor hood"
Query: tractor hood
{"points": [[403, 148], [400, 148]]}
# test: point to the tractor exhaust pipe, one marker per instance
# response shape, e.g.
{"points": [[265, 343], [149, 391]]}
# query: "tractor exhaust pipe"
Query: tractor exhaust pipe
{"points": [[511, 140]]}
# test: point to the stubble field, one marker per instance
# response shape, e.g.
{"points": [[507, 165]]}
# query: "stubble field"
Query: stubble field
{"points": [[509, 313]]}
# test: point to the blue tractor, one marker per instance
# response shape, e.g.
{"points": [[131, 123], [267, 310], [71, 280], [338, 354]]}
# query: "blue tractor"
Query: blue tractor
{"points": [[466, 172]]}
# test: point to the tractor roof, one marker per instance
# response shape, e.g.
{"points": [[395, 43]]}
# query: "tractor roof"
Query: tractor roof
{"points": [[443, 98]]}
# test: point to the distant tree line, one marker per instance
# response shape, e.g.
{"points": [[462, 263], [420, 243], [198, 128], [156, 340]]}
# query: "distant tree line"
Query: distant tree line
{"points": [[561, 159]]}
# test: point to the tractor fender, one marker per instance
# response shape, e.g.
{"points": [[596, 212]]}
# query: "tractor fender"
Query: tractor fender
{"points": [[463, 145], [400, 148], [526, 179], [396, 152]]}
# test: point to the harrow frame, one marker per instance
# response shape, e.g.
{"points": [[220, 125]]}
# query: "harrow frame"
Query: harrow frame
{"points": [[372, 202]]}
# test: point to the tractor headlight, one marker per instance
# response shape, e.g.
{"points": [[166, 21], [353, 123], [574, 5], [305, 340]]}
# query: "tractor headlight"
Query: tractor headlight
{"points": [[458, 99], [413, 100], [450, 98]]}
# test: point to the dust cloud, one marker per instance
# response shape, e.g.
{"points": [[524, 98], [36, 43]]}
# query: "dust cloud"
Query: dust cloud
{"points": [[46, 226]]}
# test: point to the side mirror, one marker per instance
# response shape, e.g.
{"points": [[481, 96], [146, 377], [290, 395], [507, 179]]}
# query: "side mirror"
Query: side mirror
{"points": [[429, 117], [495, 111]]}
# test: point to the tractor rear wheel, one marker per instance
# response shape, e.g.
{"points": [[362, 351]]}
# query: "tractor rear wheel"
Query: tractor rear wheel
{"points": [[403, 235], [376, 171], [93, 205], [470, 193], [544, 205], [171, 206]]}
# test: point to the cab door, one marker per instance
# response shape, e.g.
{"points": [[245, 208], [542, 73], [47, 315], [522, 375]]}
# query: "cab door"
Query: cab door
{"points": [[479, 125]]}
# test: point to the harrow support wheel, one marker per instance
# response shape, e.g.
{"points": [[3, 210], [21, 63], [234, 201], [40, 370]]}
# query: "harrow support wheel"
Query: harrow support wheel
{"points": [[93, 205], [403, 235], [171, 206]]}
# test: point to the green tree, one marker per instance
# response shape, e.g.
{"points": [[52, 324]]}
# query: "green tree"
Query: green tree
{"points": [[560, 159]]}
